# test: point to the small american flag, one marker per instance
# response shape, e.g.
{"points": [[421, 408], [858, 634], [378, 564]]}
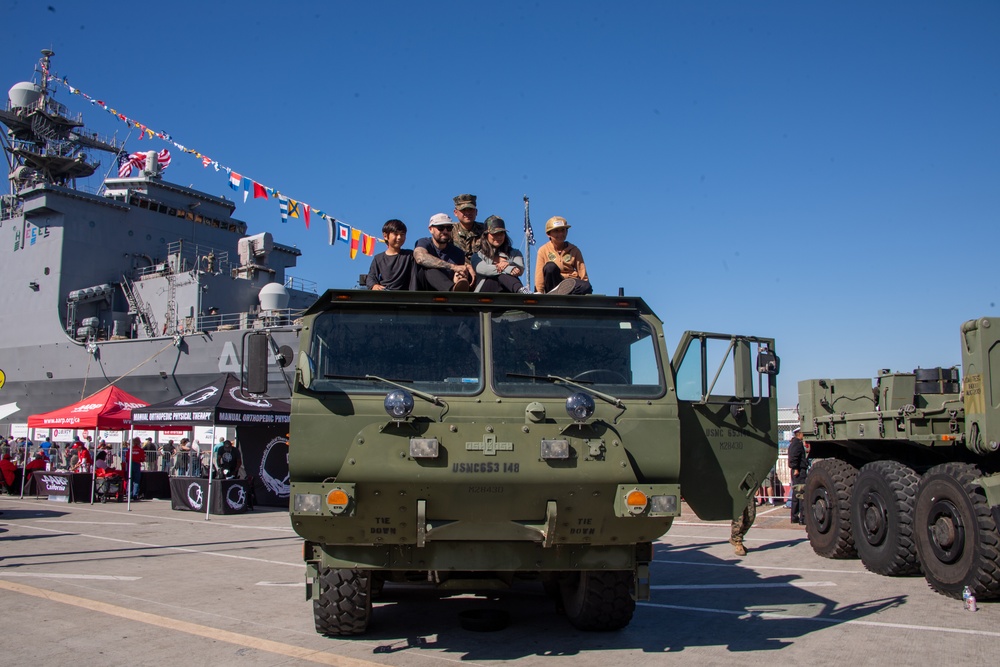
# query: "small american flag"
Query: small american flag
{"points": [[529, 235], [124, 165]]}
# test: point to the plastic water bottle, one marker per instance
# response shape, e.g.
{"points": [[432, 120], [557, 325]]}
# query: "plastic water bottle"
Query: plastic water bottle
{"points": [[969, 599]]}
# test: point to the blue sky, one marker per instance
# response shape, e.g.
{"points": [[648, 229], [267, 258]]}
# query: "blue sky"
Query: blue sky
{"points": [[824, 173]]}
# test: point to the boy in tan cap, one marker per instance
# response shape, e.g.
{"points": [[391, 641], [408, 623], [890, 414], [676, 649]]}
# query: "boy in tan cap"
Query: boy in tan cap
{"points": [[559, 268]]}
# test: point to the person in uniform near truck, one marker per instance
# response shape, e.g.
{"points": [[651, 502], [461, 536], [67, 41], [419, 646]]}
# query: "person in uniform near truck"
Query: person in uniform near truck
{"points": [[797, 465], [468, 234], [741, 525]]}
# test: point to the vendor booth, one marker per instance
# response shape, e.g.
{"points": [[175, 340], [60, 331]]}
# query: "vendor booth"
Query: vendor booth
{"points": [[109, 409], [262, 439]]}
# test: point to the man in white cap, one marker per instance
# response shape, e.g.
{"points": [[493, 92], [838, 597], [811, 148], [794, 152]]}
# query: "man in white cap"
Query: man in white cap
{"points": [[797, 466], [442, 263]]}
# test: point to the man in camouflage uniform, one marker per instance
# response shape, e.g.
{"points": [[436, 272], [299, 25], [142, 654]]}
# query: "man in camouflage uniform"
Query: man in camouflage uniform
{"points": [[468, 234], [741, 525]]}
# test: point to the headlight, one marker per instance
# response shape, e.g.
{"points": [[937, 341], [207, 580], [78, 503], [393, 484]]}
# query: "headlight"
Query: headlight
{"points": [[580, 406], [399, 404]]}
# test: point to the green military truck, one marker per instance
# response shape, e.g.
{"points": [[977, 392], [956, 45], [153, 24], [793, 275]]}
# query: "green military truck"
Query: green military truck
{"points": [[905, 472], [472, 441]]}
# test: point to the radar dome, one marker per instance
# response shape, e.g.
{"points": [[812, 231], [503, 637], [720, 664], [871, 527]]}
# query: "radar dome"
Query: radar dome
{"points": [[23, 94], [273, 296]]}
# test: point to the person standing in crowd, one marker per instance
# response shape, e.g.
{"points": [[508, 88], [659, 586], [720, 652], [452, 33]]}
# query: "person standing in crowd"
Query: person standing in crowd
{"points": [[468, 234], [797, 465], [441, 263], [393, 269], [559, 268], [150, 448], [8, 473], [498, 265], [83, 460], [166, 456], [741, 525], [227, 460], [136, 457], [183, 459]]}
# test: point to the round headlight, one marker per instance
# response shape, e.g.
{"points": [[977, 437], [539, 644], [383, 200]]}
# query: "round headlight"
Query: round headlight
{"points": [[580, 406], [399, 404]]}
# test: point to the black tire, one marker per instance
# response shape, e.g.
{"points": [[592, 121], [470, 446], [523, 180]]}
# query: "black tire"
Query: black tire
{"points": [[344, 606], [957, 538], [828, 508], [882, 518], [598, 600]]}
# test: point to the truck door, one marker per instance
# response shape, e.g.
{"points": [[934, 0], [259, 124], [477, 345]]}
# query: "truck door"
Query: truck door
{"points": [[727, 407]]}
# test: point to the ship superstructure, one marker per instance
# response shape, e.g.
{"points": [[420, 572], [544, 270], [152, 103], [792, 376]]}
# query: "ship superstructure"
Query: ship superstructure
{"points": [[145, 283]]}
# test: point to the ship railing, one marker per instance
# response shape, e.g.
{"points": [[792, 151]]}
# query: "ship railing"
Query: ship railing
{"points": [[187, 256], [245, 321], [50, 107], [10, 207], [301, 285]]}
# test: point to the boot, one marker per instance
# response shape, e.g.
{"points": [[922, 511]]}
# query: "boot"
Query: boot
{"points": [[738, 547]]}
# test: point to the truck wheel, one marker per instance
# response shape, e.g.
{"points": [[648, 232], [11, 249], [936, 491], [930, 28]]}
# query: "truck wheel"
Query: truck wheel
{"points": [[598, 600], [882, 518], [828, 508], [344, 606], [957, 538]]}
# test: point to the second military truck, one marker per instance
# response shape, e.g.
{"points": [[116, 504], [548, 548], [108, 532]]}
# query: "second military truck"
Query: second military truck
{"points": [[906, 473], [472, 441]]}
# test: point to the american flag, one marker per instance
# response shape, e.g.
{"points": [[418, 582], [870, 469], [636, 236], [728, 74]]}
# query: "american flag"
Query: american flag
{"points": [[138, 160], [529, 235]]}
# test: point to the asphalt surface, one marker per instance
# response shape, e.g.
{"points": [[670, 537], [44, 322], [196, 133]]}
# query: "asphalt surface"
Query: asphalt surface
{"points": [[100, 585]]}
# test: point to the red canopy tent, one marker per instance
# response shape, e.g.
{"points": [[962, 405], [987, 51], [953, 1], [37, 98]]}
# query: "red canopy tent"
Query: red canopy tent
{"points": [[109, 409]]}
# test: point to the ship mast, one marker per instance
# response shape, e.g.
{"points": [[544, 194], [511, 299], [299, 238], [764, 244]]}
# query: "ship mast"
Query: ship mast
{"points": [[45, 144]]}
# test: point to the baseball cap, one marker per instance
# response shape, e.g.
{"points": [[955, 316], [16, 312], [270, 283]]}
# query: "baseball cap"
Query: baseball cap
{"points": [[556, 222], [441, 220], [495, 223]]}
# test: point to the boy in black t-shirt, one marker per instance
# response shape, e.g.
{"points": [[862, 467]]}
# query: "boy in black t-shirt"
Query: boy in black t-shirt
{"points": [[394, 268]]}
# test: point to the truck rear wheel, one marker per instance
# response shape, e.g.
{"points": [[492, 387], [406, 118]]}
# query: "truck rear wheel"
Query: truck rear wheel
{"points": [[828, 508], [344, 606], [882, 518], [598, 600], [957, 538]]}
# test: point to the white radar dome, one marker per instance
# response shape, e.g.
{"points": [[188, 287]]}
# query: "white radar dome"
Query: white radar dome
{"points": [[273, 296]]}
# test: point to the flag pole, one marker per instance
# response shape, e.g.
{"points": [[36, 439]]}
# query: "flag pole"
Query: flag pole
{"points": [[529, 240]]}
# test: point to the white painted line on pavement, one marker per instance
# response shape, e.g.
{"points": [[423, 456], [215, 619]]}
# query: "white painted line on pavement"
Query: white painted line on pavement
{"points": [[49, 575], [752, 566], [701, 587], [770, 615], [160, 546], [278, 583]]}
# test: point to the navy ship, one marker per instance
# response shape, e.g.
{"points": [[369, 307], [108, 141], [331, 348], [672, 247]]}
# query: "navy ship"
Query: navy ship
{"points": [[142, 283]]}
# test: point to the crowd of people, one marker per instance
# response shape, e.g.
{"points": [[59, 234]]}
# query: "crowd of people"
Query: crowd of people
{"points": [[462, 255], [185, 458]]}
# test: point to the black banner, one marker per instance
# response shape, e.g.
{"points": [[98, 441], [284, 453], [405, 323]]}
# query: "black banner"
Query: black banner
{"points": [[265, 460], [228, 496]]}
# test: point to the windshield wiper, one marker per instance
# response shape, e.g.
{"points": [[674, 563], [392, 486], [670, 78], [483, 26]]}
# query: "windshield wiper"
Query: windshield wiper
{"points": [[617, 402]]}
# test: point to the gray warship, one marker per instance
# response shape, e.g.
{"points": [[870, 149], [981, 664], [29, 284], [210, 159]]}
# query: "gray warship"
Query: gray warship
{"points": [[142, 283]]}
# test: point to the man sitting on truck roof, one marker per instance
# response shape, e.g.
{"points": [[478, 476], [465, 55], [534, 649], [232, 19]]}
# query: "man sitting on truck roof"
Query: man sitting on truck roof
{"points": [[442, 263]]}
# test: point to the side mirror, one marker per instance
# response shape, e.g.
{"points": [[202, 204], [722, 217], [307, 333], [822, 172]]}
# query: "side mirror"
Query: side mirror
{"points": [[768, 362], [255, 362]]}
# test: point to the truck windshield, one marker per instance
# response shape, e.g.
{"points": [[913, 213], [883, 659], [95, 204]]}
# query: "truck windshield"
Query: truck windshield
{"points": [[615, 353], [437, 351]]}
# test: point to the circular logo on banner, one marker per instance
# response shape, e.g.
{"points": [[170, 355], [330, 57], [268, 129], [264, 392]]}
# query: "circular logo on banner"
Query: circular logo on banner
{"points": [[197, 397], [256, 403], [236, 497], [274, 467], [195, 496], [3, 378]]}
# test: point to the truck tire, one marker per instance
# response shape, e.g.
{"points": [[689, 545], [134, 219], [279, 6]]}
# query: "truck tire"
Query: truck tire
{"points": [[828, 508], [957, 538], [882, 518], [344, 606], [598, 600]]}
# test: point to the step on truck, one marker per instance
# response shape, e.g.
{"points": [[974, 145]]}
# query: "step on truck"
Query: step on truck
{"points": [[470, 442], [905, 471]]}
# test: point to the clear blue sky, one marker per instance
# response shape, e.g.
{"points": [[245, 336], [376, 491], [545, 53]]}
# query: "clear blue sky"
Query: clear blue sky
{"points": [[824, 173]]}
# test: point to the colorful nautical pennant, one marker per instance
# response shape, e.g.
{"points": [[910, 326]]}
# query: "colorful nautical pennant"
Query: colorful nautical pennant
{"points": [[367, 244], [259, 191], [355, 239], [305, 213], [343, 231], [293, 208], [246, 189], [283, 207], [234, 181]]}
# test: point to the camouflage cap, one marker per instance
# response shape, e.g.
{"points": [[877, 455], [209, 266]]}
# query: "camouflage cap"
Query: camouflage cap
{"points": [[463, 202], [556, 222], [495, 223]]}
